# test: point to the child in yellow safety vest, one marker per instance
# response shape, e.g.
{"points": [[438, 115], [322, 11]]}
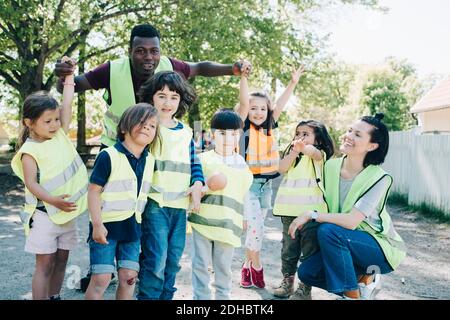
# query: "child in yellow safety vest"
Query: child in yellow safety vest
{"points": [[301, 190], [177, 176], [55, 181], [259, 148], [119, 186], [218, 227]]}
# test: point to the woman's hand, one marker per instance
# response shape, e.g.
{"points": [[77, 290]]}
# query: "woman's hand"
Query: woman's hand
{"points": [[298, 223]]}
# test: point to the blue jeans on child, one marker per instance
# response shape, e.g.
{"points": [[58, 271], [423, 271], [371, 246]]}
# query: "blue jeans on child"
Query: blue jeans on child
{"points": [[344, 255], [102, 256], [163, 240]]}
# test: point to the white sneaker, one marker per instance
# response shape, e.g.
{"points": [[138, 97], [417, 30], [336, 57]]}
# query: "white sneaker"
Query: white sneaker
{"points": [[369, 291]]}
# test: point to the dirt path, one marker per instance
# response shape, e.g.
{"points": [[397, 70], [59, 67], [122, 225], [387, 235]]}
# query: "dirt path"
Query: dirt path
{"points": [[425, 273]]}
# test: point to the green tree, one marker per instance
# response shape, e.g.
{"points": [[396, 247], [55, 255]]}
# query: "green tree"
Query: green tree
{"points": [[34, 33], [383, 93]]}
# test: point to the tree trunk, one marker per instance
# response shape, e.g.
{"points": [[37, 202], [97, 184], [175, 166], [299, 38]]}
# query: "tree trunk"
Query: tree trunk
{"points": [[81, 113], [194, 110], [194, 114]]}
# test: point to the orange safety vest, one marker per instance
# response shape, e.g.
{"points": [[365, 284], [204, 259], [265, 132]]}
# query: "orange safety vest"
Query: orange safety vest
{"points": [[262, 152]]}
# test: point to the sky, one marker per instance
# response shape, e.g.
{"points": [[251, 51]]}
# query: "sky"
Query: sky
{"points": [[416, 30]]}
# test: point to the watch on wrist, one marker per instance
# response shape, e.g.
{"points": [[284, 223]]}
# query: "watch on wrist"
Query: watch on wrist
{"points": [[314, 215]]}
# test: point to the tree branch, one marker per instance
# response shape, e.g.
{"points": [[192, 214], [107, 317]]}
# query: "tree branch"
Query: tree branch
{"points": [[7, 57], [11, 34], [10, 80], [90, 24], [95, 53], [49, 82], [58, 12]]}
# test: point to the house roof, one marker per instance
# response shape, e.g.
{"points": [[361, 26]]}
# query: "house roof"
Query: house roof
{"points": [[437, 98]]}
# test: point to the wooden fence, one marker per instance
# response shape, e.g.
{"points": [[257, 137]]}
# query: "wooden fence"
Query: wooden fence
{"points": [[420, 166]]}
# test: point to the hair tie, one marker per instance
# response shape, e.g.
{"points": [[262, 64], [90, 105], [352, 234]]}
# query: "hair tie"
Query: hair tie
{"points": [[379, 116]]}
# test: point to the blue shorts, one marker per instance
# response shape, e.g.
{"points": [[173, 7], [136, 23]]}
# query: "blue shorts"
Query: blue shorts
{"points": [[261, 191], [102, 255]]}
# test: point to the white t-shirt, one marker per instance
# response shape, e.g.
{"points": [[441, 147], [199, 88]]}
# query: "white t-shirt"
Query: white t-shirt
{"points": [[369, 204], [234, 161]]}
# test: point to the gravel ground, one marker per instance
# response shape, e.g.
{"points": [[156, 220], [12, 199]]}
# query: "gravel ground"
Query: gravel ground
{"points": [[425, 273]]}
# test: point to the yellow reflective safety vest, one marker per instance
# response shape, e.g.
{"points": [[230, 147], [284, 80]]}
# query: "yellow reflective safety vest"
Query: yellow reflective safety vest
{"points": [[262, 152], [61, 171], [120, 199], [389, 240], [221, 212], [301, 189], [172, 176], [122, 95]]}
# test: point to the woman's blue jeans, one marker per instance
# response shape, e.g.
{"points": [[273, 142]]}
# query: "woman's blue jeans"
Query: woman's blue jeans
{"points": [[344, 255]]}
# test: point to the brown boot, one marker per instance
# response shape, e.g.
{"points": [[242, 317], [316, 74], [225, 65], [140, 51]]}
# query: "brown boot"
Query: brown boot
{"points": [[303, 292], [286, 287]]}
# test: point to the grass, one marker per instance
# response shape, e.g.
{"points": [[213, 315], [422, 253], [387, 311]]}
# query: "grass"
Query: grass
{"points": [[423, 209]]}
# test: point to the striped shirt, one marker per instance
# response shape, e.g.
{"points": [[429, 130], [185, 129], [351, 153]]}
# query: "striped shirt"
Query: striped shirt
{"points": [[196, 167]]}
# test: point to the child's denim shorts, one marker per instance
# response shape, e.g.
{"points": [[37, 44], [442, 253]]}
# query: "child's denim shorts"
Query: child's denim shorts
{"points": [[261, 189], [102, 255]]}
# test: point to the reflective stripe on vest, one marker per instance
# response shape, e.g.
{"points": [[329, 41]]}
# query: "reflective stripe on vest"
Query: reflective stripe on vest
{"points": [[262, 153], [221, 212], [299, 200], [224, 201], [122, 95], [389, 240], [219, 223], [63, 177], [61, 172], [172, 176], [51, 210], [173, 166], [120, 197], [301, 189]]}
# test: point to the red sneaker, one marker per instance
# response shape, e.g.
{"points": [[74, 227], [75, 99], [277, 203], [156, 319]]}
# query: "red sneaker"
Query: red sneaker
{"points": [[246, 281], [257, 277]]}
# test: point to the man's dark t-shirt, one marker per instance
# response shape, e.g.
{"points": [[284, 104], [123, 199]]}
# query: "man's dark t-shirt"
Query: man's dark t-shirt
{"points": [[99, 77]]}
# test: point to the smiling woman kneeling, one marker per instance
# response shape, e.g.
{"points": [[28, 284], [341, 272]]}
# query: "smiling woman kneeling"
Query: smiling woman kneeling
{"points": [[357, 239]]}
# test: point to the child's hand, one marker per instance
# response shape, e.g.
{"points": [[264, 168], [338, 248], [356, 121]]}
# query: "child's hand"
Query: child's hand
{"points": [[196, 195], [63, 68], [99, 234], [62, 204], [298, 145], [242, 68], [246, 68], [295, 77], [69, 79]]}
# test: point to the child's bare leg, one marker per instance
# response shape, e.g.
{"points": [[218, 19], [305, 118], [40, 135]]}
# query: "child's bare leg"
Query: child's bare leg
{"points": [[59, 270], [127, 281], [42, 274], [254, 258], [97, 286]]}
